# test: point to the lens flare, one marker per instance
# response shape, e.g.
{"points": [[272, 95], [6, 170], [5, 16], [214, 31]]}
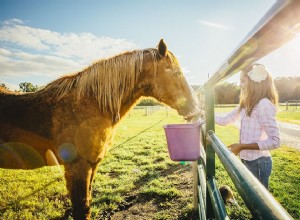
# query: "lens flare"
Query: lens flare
{"points": [[17, 155], [67, 152]]}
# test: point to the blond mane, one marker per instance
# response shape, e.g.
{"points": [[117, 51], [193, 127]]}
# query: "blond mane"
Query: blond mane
{"points": [[107, 80]]}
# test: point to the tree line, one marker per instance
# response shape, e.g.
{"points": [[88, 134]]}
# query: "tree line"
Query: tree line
{"points": [[288, 88]]}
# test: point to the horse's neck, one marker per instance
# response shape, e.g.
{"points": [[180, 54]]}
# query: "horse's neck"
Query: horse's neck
{"points": [[129, 101]]}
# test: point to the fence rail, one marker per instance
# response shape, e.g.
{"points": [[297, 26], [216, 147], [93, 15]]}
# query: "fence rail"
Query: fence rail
{"points": [[249, 188], [292, 103], [151, 109]]}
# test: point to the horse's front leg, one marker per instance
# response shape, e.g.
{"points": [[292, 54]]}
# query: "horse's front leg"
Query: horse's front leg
{"points": [[78, 176]]}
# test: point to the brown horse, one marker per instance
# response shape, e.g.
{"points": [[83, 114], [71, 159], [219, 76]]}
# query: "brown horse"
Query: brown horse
{"points": [[72, 120]]}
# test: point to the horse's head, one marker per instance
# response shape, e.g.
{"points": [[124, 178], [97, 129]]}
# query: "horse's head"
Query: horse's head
{"points": [[165, 81]]}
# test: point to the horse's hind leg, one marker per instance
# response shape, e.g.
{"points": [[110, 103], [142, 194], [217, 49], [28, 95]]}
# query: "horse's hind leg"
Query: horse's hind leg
{"points": [[78, 177]]}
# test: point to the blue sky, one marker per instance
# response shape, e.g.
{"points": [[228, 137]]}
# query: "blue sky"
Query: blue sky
{"points": [[42, 40]]}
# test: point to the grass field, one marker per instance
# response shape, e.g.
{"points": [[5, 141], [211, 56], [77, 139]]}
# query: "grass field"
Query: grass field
{"points": [[137, 180], [290, 116]]}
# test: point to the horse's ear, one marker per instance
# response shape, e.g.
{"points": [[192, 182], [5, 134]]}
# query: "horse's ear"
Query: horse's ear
{"points": [[162, 48]]}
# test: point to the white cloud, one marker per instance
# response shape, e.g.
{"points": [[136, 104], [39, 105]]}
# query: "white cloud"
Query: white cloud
{"points": [[22, 63], [31, 51], [12, 21], [216, 25], [23, 36]]}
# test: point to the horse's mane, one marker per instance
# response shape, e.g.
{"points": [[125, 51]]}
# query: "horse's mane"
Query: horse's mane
{"points": [[107, 78]]}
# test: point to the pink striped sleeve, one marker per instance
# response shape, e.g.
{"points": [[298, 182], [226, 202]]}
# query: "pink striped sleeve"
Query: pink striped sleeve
{"points": [[231, 117], [266, 118]]}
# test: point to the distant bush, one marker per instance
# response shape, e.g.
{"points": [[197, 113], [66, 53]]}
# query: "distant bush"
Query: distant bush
{"points": [[28, 87], [288, 88], [227, 93], [3, 86], [148, 102]]}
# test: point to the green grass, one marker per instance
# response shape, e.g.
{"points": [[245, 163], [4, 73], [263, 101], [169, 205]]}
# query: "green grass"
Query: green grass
{"points": [[137, 179], [32, 194], [223, 109], [289, 116]]}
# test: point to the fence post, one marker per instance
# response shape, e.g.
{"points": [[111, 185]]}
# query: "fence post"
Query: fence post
{"points": [[167, 111], [195, 183], [210, 153]]}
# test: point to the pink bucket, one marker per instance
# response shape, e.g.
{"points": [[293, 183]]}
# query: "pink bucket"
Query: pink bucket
{"points": [[183, 141]]}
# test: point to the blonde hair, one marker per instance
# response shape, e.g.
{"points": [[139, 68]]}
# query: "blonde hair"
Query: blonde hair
{"points": [[255, 91]]}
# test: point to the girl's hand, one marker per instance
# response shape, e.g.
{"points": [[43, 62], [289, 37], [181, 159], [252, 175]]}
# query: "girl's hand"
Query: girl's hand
{"points": [[235, 148]]}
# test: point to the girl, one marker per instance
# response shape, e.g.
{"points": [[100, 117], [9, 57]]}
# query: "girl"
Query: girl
{"points": [[258, 128]]}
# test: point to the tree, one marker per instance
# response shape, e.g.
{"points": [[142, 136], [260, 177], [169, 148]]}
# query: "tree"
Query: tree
{"points": [[227, 93], [4, 86], [148, 102], [297, 92], [288, 88], [28, 87]]}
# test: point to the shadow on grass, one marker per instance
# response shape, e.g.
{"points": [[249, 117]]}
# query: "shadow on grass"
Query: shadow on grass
{"points": [[136, 197], [15, 203]]}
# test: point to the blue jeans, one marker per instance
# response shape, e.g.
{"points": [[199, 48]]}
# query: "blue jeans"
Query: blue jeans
{"points": [[261, 168]]}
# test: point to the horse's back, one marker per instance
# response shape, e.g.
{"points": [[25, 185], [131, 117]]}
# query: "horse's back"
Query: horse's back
{"points": [[22, 111], [13, 108], [9, 103], [25, 130]]}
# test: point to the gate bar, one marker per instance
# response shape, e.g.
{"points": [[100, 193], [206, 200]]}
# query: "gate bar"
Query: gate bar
{"points": [[217, 201], [280, 24], [257, 198]]}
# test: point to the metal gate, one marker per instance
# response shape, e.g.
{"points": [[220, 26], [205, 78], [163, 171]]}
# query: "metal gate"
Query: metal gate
{"points": [[279, 25]]}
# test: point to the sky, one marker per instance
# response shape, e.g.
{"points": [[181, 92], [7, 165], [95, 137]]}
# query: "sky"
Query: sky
{"points": [[41, 40]]}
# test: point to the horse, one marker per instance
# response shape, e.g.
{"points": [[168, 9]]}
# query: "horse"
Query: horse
{"points": [[72, 120]]}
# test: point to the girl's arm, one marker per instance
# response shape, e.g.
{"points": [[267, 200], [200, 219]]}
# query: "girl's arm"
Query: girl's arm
{"points": [[230, 117], [237, 148], [266, 117]]}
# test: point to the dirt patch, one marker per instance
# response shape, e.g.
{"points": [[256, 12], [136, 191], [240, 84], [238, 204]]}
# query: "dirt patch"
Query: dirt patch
{"points": [[144, 207]]}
